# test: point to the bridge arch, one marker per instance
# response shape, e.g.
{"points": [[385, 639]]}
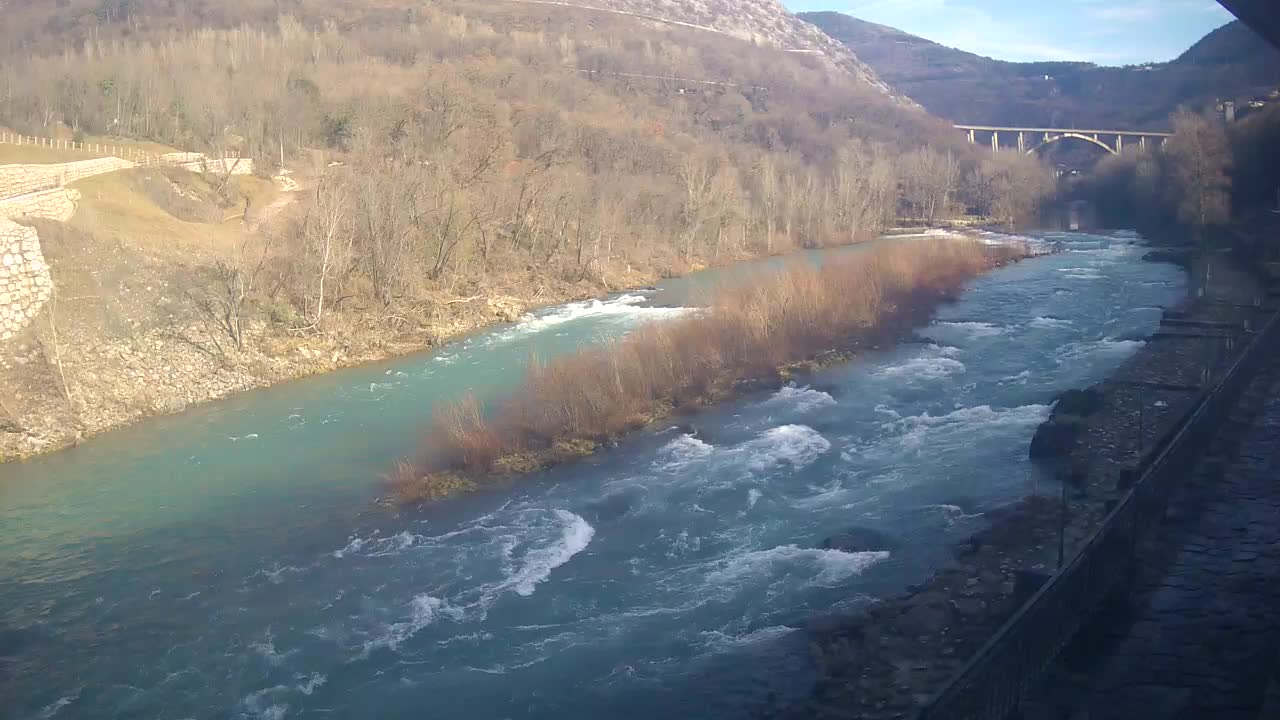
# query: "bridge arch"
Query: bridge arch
{"points": [[1073, 136]]}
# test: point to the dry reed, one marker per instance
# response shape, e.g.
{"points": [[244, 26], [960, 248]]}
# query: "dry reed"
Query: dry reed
{"points": [[749, 332]]}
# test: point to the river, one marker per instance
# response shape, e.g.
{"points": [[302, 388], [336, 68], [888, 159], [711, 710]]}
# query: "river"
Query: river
{"points": [[230, 561]]}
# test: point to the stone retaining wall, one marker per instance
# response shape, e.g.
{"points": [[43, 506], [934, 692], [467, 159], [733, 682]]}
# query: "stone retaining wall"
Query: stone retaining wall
{"points": [[57, 204], [39, 191], [200, 164], [26, 179], [25, 284]]}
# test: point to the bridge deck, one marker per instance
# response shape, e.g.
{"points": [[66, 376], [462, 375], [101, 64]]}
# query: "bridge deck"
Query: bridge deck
{"points": [[1125, 133]]}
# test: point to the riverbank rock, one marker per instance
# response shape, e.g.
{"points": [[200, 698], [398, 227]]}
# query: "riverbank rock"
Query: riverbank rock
{"points": [[1178, 256], [929, 613], [859, 539], [1082, 403], [1055, 437], [1058, 435], [506, 309]]}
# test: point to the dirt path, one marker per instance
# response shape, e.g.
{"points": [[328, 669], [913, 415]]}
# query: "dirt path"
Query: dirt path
{"points": [[288, 188]]}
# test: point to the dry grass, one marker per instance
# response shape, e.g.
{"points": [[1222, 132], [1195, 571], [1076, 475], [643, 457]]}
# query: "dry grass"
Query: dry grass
{"points": [[118, 206], [749, 332], [38, 155], [35, 155]]}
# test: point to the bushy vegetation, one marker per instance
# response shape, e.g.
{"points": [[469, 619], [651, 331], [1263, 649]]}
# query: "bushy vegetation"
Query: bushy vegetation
{"points": [[749, 332], [457, 163], [1204, 177], [488, 147]]}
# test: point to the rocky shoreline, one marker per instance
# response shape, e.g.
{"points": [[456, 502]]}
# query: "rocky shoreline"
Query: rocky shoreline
{"points": [[890, 661]]}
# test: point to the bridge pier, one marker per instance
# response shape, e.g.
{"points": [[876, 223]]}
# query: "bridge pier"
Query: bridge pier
{"points": [[995, 141], [1119, 144], [1142, 142], [1022, 143], [972, 140]]}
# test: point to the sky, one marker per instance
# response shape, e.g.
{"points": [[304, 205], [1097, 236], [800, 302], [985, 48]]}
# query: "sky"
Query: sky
{"points": [[1107, 32]]}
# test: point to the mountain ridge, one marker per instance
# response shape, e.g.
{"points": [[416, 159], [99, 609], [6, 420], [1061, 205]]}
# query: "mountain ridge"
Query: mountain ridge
{"points": [[764, 22], [1230, 62]]}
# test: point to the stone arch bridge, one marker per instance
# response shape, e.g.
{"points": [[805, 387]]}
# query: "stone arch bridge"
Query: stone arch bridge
{"points": [[1033, 140]]}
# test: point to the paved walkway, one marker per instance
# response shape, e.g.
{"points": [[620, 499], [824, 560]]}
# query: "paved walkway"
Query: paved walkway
{"points": [[1200, 639]]}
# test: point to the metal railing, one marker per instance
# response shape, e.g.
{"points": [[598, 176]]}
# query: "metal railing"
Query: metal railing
{"points": [[991, 685]]}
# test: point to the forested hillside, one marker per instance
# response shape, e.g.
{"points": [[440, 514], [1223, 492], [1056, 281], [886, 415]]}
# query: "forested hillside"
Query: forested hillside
{"points": [[459, 163], [1230, 63]]}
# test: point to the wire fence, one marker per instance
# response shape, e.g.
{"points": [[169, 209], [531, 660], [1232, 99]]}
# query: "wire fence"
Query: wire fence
{"points": [[991, 685], [131, 153]]}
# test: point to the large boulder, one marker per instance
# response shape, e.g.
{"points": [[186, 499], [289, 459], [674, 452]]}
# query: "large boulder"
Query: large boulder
{"points": [[928, 613], [859, 539], [505, 309], [1056, 437], [1176, 256], [1081, 403]]}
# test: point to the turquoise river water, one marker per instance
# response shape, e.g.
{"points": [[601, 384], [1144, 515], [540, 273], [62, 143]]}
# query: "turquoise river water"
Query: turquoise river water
{"points": [[230, 562]]}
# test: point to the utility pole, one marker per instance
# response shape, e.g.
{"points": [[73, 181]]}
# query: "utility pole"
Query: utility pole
{"points": [[1062, 524]]}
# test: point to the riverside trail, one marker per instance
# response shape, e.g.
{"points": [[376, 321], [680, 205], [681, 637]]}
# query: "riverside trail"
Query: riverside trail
{"points": [[181, 568]]}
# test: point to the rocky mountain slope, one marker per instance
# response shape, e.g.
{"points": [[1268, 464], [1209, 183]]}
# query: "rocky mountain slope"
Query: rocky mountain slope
{"points": [[1230, 63], [459, 162], [764, 22]]}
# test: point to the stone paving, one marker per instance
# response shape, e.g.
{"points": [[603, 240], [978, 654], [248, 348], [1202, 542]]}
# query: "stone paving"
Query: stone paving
{"points": [[1199, 639]]}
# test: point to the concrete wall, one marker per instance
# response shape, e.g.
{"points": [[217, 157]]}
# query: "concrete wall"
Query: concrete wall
{"points": [[25, 284]]}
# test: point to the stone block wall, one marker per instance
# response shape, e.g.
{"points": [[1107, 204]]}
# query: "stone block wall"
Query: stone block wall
{"points": [[38, 191], [57, 204], [25, 179], [25, 283], [232, 166]]}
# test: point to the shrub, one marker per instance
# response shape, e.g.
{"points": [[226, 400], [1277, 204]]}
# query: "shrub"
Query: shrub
{"points": [[566, 407]]}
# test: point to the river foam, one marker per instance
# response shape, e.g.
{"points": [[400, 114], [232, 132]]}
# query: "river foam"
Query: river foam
{"points": [[919, 431], [625, 307], [924, 368], [1049, 323], [423, 611], [793, 445], [824, 567], [682, 452], [576, 534], [972, 330], [1106, 347], [800, 399]]}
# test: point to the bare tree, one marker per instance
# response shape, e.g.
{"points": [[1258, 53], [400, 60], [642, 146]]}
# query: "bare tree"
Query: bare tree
{"points": [[1199, 158], [929, 180], [326, 241], [768, 195]]}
